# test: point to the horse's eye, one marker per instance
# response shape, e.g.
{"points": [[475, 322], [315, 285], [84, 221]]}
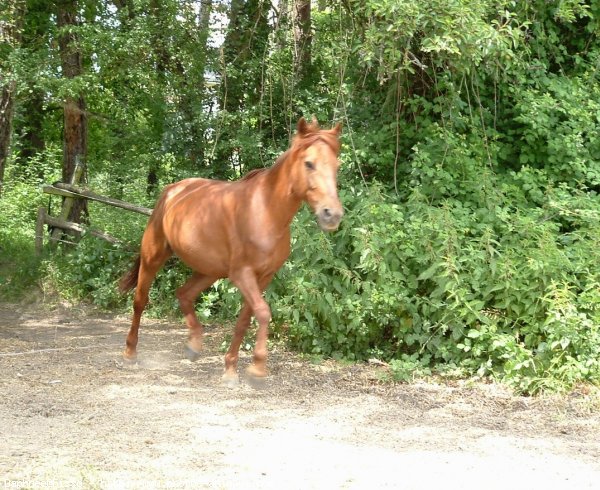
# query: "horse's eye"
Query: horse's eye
{"points": [[309, 165]]}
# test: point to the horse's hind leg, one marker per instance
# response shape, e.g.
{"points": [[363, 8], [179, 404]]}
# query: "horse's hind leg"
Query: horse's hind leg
{"points": [[152, 256], [187, 295]]}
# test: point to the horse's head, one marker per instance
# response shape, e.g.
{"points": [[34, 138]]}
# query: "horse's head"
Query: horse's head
{"points": [[316, 162]]}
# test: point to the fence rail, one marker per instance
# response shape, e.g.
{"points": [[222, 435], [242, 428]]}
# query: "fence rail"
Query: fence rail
{"points": [[70, 192]]}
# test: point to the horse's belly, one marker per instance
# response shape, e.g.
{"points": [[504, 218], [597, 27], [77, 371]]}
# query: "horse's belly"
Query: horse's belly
{"points": [[209, 259], [204, 256]]}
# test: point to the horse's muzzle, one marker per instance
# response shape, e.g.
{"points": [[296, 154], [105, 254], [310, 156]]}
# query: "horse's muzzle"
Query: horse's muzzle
{"points": [[329, 219]]}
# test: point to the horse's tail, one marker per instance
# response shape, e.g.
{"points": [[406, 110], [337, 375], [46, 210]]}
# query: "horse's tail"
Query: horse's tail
{"points": [[129, 279]]}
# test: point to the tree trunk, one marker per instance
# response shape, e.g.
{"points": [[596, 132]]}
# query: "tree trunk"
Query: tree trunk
{"points": [[125, 9], [159, 33], [32, 115], [302, 39], [242, 77], [282, 24], [75, 119], [243, 52], [126, 14], [6, 116], [232, 54]]}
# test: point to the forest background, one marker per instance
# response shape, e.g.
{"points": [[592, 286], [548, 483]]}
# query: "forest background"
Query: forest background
{"points": [[470, 165]]}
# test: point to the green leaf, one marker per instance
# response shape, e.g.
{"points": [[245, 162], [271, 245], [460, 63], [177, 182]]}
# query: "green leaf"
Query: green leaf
{"points": [[428, 273]]}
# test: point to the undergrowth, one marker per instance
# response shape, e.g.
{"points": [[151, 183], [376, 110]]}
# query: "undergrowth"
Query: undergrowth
{"points": [[470, 178], [480, 286]]}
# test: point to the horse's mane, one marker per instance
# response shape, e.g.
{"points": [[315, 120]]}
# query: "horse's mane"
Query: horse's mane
{"points": [[253, 173], [314, 133], [301, 142], [257, 171]]}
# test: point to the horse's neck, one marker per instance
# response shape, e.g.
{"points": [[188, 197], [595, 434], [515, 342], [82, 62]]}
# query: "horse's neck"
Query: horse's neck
{"points": [[279, 191]]}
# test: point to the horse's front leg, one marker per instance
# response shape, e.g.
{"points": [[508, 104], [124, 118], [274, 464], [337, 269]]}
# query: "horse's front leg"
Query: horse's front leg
{"points": [[258, 368], [231, 357], [254, 304]]}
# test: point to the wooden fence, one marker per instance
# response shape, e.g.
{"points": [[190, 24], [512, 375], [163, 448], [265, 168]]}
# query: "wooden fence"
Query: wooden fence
{"points": [[70, 192]]}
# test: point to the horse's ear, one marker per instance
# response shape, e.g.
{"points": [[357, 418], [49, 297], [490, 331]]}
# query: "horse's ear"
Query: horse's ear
{"points": [[302, 126], [337, 129]]}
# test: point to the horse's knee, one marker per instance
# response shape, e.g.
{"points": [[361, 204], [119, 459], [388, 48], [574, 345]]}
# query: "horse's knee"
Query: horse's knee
{"points": [[262, 313]]}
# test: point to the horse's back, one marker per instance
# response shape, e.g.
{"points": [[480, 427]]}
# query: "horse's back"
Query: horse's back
{"points": [[191, 189]]}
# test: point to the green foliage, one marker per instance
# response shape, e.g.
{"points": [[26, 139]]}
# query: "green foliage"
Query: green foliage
{"points": [[493, 291], [408, 368], [18, 264], [560, 129], [19, 202], [405, 36], [88, 273], [470, 169]]}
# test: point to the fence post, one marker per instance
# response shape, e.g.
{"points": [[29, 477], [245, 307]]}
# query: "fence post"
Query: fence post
{"points": [[68, 201], [39, 230]]}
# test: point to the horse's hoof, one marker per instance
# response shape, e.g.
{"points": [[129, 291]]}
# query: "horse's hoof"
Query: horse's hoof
{"points": [[257, 378], [191, 354], [257, 383], [129, 358], [230, 380]]}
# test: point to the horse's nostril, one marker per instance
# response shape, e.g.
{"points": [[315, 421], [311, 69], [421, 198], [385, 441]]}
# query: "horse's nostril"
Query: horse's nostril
{"points": [[327, 213]]}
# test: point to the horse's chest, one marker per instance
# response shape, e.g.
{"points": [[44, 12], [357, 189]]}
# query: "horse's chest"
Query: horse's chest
{"points": [[269, 252]]}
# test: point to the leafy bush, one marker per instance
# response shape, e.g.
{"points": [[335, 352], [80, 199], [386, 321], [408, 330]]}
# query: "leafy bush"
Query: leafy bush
{"points": [[18, 263], [560, 129], [471, 271], [470, 177], [491, 290], [20, 200], [88, 272]]}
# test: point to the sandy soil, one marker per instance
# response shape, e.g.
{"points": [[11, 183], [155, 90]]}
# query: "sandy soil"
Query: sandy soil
{"points": [[72, 415]]}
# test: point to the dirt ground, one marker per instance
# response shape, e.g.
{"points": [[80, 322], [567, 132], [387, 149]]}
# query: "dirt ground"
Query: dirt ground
{"points": [[72, 415]]}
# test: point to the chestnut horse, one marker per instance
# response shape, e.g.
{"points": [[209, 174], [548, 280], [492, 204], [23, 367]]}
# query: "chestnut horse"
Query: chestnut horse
{"points": [[238, 230]]}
